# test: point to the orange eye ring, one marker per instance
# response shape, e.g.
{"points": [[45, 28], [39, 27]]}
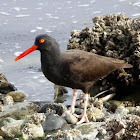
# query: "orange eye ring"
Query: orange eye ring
{"points": [[41, 40]]}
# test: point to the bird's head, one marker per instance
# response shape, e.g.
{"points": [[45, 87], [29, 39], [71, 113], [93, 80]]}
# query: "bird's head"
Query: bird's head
{"points": [[42, 43]]}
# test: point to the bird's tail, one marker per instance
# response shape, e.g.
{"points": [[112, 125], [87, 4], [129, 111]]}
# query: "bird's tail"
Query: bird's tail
{"points": [[125, 65], [121, 64]]}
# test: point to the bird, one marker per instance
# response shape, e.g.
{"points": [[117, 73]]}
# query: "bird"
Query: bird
{"points": [[76, 69]]}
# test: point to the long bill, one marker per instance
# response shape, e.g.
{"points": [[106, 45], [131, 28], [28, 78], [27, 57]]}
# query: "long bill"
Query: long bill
{"points": [[33, 48]]}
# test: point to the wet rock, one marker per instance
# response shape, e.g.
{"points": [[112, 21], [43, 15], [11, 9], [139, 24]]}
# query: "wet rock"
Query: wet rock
{"points": [[19, 110], [57, 108], [59, 91], [5, 86], [52, 122], [17, 95], [71, 119]]}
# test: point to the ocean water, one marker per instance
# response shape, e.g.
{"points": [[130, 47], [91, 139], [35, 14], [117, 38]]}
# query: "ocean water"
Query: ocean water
{"points": [[22, 20]]}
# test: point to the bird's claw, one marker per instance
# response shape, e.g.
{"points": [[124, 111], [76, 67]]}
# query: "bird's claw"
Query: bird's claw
{"points": [[84, 118]]}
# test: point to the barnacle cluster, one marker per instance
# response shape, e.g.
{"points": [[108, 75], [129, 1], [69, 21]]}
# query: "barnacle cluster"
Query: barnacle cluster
{"points": [[113, 36]]}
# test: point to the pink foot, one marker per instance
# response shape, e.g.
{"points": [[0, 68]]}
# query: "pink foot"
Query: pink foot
{"points": [[84, 118], [67, 112]]}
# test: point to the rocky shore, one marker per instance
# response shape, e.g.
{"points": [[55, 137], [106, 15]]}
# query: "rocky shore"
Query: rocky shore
{"points": [[112, 35], [26, 120]]}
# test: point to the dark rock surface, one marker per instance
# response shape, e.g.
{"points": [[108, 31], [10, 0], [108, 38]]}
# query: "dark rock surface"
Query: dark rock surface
{"points": [[5, 86], [53, 122]]}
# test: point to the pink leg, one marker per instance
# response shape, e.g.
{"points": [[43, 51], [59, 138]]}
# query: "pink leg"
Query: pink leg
{"points": [[84, 117], [72, 108]]}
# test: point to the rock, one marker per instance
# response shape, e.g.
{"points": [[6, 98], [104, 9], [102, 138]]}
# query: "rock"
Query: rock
{"points": [[91, 102], [1, 108], [71, 119], [5, 86], [89, 130], [59, 91], [58, 108], [132, 129], [5, 121], [8, 100], [122, 111], [19, 110], [52, 122], [94, 114], [134, 110], [37, 118], [66, 135], [25, 129], [12, 129], [113, 124], [17, 95], [32, 131], [114, 104]]}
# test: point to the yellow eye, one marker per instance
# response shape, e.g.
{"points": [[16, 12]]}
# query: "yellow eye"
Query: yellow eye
{"points": [[41, 40]]}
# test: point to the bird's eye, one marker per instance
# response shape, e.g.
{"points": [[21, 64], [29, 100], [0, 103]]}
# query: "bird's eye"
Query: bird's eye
{"points": [[41, 40]]}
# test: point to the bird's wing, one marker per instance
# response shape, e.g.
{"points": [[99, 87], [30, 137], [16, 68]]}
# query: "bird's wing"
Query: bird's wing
{"points": [[86, 66]]}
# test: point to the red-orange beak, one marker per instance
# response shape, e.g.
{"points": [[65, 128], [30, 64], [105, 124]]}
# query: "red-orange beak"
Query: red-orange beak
{"points": [[33, 48]]}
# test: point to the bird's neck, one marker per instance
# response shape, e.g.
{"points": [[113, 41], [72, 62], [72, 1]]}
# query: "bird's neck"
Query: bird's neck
{"points": [[51, 58]]}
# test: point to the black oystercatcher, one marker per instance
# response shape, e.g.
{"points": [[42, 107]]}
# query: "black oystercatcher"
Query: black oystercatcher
{"points": [[73, 68]]}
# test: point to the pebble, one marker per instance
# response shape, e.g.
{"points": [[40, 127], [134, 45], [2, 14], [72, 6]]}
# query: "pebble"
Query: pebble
{"points": [[71, 119], [52, 122]]}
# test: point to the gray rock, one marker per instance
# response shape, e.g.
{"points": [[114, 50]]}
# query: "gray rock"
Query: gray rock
{"points": [[19, 110], [58, 108], [122, 111], [5, 121], [70, 119], [72, 134], [52, 122], [89, 130]]}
